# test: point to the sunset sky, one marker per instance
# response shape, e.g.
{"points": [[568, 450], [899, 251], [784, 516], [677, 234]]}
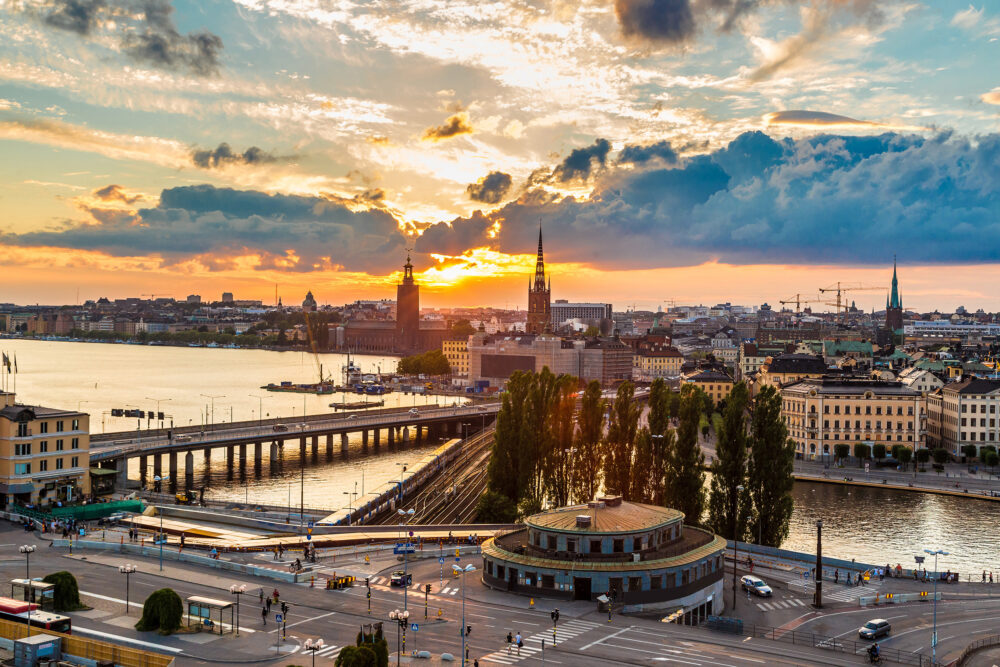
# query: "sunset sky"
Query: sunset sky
{"points": [[688, 150]]}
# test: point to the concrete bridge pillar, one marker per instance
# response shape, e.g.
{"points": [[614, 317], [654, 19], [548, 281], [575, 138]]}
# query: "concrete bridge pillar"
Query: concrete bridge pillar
{"points": [[364, 437], [406, 434], [315, 445], [302, 449], [121, 470], [208, 457], [377, 432], [329, 444], [274, 455], [230, 457], [143, 466], [392, 435], [173, 466], [258, 453], [243, 456], [344, 442], [189, 469], [157, 466]]}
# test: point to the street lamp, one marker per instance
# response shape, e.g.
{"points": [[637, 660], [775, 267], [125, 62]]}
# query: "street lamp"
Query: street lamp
{"points": [[935, 553], [400, 617], [212, 398], [350, 504], [313, 645], [405, 514], [238, 591], [159, 538], [27, 550], [260, 407], [464, 631], [158, 401], [127, 569], [736, 542]]}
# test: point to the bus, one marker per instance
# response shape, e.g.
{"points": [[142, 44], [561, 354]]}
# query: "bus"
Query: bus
{"points": [[20, 611]]}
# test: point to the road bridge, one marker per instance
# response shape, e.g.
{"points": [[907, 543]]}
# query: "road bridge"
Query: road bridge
{"points": [[114, 450]]}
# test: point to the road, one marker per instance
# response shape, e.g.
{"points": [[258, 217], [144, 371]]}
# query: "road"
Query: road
{"points": [[584, 637]]}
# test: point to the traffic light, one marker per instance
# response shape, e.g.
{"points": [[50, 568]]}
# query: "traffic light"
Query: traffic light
{"points": [[159, 415], [554, 616], [284, 607], [427, 588], [468, 630], [369, 594], [456, 552], [368, 582]]}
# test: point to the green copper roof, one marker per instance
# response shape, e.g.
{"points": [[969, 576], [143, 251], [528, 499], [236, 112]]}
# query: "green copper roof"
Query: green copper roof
{"points": [[894, 301]]}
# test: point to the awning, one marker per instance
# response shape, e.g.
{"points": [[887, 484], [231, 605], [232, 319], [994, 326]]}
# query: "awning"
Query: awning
{"points": [[26, 487]]}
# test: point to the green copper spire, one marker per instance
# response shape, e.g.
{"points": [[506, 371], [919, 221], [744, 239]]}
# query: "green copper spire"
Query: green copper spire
{"points": [[894, 301]]}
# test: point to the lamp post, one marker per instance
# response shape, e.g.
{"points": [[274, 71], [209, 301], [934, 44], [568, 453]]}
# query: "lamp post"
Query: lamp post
{"points": [[313, 645], [736, 542], [238, 591], [27, 550], [260, 407], [400, 617], [406, 544], [468, 568], [158, 401], [127, 569], [350, 504], [212, 398], [819, 564], [934, 641], [159, 538]]}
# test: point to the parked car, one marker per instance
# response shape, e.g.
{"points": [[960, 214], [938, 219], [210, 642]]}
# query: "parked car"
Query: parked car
{"points": [[756, 585], [281, 428], [400, 578], [875, 628]]}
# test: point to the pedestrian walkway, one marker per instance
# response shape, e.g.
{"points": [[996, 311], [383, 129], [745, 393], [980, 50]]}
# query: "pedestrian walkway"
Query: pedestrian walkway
{"points": [[328, 652], [839, 592], [533, 645], [781, 604]]}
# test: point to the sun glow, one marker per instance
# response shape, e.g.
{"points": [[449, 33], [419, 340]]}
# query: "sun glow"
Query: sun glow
{"points": [[483, 262]]}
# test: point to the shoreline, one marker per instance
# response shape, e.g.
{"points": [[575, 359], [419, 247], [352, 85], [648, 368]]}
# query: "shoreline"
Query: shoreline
{"points": [[800, 477]]}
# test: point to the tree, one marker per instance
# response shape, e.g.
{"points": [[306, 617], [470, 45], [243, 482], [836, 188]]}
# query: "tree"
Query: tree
{"points": [[923, 455], [727, 501], [904, 455], [66, 594], [659, 406], [462, 329], [862, 451], [377, 643], [841, 451], [685, 479], [356, 656], [592, 332], [769, 479], [493, 507], [619, 449], [432, 362], [969, 451], [162, 612], [661, 436], [992, 459], [560, 460], [589, 468], [642, 468], [503, 469], [878, 451], [941, 455]]}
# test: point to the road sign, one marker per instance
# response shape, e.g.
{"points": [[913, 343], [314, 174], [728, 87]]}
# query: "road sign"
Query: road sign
{"points": [[441, 560], [411, 533], [277, 618], [311, 524], [308, 537], [457, 559], [866, 467], [414, 627]]}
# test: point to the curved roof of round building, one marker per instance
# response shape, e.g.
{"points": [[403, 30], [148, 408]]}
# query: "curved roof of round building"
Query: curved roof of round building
{"points": [[607, 516]]}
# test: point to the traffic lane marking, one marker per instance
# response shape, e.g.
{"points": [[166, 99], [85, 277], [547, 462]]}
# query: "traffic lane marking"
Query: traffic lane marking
{"points": [[694, 648], [615, 634], [896, 635], [660, 653]]}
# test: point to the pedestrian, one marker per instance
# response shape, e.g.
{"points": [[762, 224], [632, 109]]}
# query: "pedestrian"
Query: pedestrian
{"points": [[267, 605], [519, 642], [275, 594], [836, 576], [984, 576], [991, 576], [263, 614], [510, 641], [261, 595], [475, 663]]}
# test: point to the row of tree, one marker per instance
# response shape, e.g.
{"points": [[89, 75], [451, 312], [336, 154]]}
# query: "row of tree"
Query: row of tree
{"points": [[429, 363], [548, 451]]}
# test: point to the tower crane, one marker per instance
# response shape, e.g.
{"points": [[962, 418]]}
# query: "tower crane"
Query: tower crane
{"points": [[798, 301], [840, 288]]}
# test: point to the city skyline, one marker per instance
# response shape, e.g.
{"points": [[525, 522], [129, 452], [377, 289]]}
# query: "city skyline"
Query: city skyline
{"points": [[184, 146]]}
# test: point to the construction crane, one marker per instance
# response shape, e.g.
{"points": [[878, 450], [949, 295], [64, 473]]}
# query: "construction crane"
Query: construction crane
{"points": [[840, 288], [798, 301]]}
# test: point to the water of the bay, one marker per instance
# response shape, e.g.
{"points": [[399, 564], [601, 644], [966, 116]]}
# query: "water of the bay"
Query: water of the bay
{"points": [[871, 525]]}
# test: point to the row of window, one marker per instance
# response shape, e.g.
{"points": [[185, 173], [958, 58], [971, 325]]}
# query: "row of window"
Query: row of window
{"points": [[43, 465], [793, 406], [658, 581], [857, 436], [43, 427], [24, 448], [983, 437], [972, 406]]}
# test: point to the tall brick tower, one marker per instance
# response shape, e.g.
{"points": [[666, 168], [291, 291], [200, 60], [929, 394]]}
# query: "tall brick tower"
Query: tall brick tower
{"points": [[539, 295], [407, 310]]}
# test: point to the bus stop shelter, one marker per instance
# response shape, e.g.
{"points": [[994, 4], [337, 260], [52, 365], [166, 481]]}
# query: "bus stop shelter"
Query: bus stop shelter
{"points": [[207, 610], [32, 590]]}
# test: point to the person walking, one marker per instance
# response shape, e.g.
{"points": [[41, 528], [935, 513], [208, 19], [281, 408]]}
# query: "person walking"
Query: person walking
{"points": [[263, 613], [267, 605], [262, 596], [836, 576], [519, 642], [510, 637], [984, 576]]}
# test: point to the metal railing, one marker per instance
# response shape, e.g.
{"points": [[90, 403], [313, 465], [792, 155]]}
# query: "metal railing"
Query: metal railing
{"points": [[985, 642]]}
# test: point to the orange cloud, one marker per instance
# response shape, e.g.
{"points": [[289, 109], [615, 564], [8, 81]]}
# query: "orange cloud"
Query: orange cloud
{"points": [[456, 125]]}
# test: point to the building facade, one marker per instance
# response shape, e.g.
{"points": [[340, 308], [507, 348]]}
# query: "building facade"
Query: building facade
{"points": [[824, 412], [787, 368], [964, 413], [457, 353], [642, 556], [656, 361], [44, 454], [714, 383], [539, 296], [562, 311], [495, 358], [749, 361]]}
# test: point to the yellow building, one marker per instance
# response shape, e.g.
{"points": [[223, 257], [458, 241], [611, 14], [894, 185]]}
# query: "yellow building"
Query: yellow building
{"points": [[824, 412], [714, 383], [457, 354], [658, 361], [787, 368], [44, 453]]}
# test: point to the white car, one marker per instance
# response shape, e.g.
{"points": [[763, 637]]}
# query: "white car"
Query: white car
{"points": [[414, 411], [755, 584]]}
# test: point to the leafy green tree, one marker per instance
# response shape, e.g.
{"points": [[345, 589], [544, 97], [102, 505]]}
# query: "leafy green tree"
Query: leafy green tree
{"points": [[969, 451], [503, 469], [592, 332], [357, 656], [904, 456], [769, 479], [536, 432], [619, 447], [862, 451], [493, 507], [377, 643], [659, 406], [558, 464], [923, 455], [992, 459], [728, 504], [940, 455], [841, 451], [685, 478], [462, 329], [432, 362], [642, 486], [588, 472], [162, 612], [878, 451], [66, 594]]}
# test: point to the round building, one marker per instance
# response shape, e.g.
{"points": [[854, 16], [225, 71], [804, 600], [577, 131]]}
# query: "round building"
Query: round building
{"points": [[644, 555]]}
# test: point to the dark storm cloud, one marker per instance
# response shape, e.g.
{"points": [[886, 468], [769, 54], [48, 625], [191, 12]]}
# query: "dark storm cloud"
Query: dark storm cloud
{"points": [[579, 163], [661, 150], [455, 125], [77, 16], [458, 236], [491, 188], [205, 221], [670, 21], [223, 155], [152, 40], [829, 199], [115, 193]]}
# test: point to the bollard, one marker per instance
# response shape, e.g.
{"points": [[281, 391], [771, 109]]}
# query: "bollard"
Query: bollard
{"points": [[312, 581], [531, 603]]}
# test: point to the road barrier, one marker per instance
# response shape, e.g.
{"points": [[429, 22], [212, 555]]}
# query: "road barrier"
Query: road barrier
{"points": [[91, 650], [978, 645], [896, 598]]}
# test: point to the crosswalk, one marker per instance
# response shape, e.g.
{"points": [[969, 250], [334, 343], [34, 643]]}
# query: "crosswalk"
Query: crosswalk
{"points": [[328, 652], [840, 592], [533, 644], [774, 605], [418, 587]]}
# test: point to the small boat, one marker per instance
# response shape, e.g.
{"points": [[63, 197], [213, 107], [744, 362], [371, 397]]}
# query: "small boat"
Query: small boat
{"points": [[300, 388]]}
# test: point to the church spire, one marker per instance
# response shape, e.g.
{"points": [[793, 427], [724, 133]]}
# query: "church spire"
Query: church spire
{"points": [[540, 263], [894, 300]]}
